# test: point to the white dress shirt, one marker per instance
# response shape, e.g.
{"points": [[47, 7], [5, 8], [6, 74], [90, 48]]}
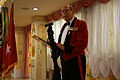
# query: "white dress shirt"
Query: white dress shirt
{"points": [[65, 31]]}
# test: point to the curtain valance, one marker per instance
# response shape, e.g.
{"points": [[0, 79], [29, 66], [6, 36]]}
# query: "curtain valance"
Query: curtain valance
{"points": [[76, 6]]}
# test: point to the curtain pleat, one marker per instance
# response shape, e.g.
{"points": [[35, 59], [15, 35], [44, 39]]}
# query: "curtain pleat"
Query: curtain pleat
{"points": [[27, 31], [103, 22]]}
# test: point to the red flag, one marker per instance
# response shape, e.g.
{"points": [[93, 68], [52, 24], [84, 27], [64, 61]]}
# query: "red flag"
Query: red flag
{"points": [[11, 52], [4, 62], [4, 25]]}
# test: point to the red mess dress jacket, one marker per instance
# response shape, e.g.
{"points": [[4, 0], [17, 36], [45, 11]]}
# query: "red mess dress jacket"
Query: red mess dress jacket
{"points": [[76, 39]]}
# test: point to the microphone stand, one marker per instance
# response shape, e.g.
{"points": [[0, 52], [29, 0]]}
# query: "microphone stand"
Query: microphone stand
{"points": [[55, 53]]}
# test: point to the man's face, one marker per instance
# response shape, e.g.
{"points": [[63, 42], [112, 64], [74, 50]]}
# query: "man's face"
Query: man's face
{"points": [[66, 13]]}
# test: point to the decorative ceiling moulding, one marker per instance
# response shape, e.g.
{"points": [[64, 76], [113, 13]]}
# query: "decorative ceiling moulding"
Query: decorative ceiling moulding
{"points": [[38, 18], [19, 28], [76, 6]]}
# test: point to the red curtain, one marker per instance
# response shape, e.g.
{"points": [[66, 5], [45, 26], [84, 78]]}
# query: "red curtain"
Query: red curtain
{"points": [[76, 6], [27, 31]]}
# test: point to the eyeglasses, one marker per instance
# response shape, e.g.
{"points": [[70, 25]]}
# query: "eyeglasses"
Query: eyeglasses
{"points": [[66, 10]]}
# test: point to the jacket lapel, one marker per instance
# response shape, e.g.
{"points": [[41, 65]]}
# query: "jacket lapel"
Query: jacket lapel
{"points": [[59, 39], [67, 40], [69, 33]]}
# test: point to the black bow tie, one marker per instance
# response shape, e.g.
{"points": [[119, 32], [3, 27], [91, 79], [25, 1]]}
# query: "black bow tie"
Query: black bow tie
{"points": [[68, 23]]}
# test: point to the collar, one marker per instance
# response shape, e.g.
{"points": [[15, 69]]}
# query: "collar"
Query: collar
{"points": [[71, 20]]}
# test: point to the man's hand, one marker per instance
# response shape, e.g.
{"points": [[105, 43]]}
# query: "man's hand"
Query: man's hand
{"points": [[60, 46]]}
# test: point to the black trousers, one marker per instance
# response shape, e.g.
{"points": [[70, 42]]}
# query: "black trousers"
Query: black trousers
{"points": [[72, 69]]}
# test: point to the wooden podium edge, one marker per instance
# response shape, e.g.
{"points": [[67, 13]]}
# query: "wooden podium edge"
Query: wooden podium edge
{"points": [[40, 40]]}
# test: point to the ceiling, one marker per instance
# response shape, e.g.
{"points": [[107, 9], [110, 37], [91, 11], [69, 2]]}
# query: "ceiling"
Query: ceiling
{"points": [[23, 9]]}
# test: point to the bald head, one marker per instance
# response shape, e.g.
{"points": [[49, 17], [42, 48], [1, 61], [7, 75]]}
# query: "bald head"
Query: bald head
{"points": [[67, 12]]}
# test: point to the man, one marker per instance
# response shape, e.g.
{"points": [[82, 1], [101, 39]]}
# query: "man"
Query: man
{"points": [[72, 41]]}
